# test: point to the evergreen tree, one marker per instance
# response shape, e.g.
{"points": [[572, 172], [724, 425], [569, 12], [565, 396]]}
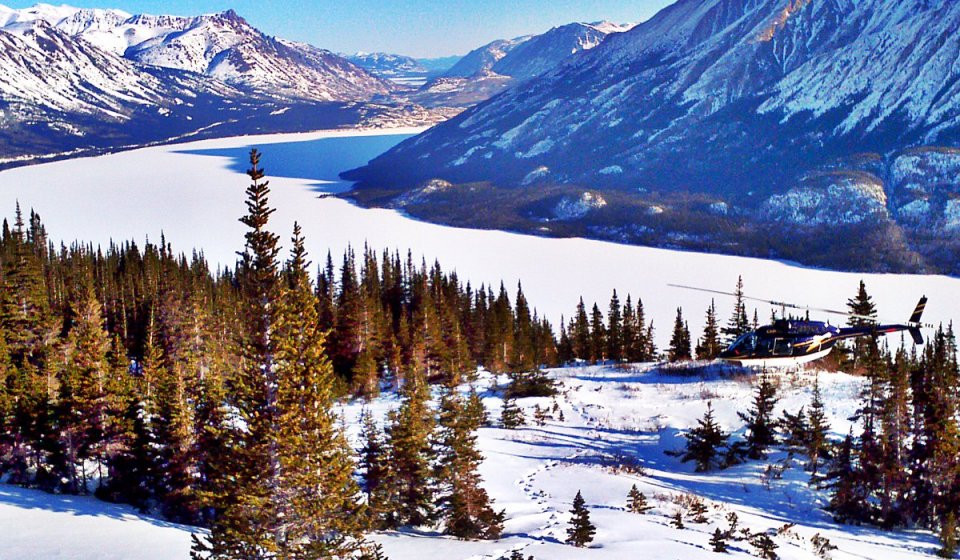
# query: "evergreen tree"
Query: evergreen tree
{"points": [[761, 425], [765, 546], [738, 323], [865, 310], [409, 482], [705, 442], [615, 330], [316, 497], [636, 501], [580, 333], [680, 341], [247, 524], [580, 532], [708, 348], [511, 416], [598, 336], [718, 541], [817, 444], [464, 504]]}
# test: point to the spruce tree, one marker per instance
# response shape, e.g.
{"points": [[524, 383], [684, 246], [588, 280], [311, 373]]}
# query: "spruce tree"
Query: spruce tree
{"points": [[817, 444], [511, 415], [705, 442], [246, 525], [598, 336], [718, 541], [580, 333], [464, 505], [636, 501], [765, 546], [680, 340], [738, 323], [863, 306], [409, 481], [708, 347], [316, 497], [580, 531], [615, 331], [761, 425]]}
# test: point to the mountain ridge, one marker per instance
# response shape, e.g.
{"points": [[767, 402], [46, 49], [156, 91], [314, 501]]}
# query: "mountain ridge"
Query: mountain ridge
{"points": [[736, 101]]}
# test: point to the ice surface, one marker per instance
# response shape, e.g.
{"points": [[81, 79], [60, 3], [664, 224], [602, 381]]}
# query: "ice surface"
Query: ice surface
{"points": [[193, 194]]}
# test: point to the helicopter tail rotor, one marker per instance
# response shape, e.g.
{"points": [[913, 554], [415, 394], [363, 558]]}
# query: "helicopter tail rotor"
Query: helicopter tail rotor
{"points": [[914, 323], [918, 312]]}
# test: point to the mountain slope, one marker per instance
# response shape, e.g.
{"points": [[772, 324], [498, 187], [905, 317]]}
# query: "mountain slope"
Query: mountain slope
{"points": [[483, 58], [222, 46], [83, 81], [490, 69], [739, 100], [544, 52]]}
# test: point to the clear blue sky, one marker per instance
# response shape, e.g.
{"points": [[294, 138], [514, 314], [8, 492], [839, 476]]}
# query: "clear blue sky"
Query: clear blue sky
{"points": [[422, 28]]}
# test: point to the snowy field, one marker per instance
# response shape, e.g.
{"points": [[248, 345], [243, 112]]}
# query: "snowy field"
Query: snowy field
{"points": [[610, 416], [193, 193]]}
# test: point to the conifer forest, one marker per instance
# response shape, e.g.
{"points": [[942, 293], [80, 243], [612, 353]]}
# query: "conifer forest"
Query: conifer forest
{"points": [[138, 374]]}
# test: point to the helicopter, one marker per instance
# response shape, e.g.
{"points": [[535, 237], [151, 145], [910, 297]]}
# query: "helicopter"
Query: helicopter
{"points": [[791, 342]]}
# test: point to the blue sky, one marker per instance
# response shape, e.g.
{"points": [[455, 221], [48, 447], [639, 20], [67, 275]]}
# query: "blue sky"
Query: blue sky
{"points": [[423, 28]]}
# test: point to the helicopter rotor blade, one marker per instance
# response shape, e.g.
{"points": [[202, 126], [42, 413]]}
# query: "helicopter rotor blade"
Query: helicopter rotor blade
{"points": [[782, 304]]}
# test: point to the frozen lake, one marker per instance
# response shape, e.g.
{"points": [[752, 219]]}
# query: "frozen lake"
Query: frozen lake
{"points": [[194, 193]]}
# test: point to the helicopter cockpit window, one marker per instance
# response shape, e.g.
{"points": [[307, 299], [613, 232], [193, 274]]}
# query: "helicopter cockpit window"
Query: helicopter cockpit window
{"points": [[745, 344], [782, 347]]}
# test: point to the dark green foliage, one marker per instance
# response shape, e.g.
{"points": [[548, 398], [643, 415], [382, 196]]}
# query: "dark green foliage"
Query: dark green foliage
{"points": [[738, 323], [709, 346], [636, 501], [680, 340], [535, 383], [511, 416], [698, 511], [463, 503], [765, 546], [718, 541], [408, 481], [761, 425], [705, 442], [580, 532]]}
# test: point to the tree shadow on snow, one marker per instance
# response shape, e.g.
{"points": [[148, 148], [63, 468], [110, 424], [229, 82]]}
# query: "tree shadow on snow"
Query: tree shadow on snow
{"points": [[26, 498]]}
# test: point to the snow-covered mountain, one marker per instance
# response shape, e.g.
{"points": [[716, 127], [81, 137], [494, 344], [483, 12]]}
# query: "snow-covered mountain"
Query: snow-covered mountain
{"points": [[81, 80], [488, 70], [483, 58], [544, 52], [774, 108], [387, 65], [222, 46]]}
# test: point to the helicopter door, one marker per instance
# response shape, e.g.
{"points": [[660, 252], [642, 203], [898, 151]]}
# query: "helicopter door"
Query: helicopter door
{"points": [[782, 347]]}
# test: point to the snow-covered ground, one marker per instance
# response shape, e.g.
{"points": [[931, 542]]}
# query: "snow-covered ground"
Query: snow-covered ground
{"points": [[611, 416], [193, 194]]}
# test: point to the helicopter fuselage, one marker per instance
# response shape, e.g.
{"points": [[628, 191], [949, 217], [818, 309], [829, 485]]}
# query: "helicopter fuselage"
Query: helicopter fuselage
{"points": [[788, 343]]}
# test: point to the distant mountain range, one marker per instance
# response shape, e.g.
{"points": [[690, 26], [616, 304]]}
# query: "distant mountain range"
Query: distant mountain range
{"points": [[396, 66], [494, 67], [88, 79], [822, 132]]}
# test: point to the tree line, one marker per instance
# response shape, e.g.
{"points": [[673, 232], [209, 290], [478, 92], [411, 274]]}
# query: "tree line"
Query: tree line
{"points": [[143, 377]]}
